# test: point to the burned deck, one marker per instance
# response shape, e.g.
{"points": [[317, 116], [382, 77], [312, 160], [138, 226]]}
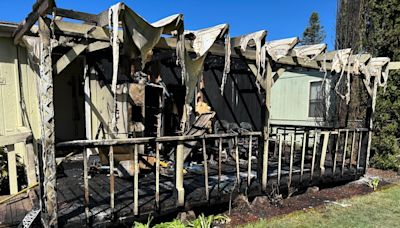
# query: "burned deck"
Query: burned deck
{"points": [[13, 211], [71, 192]]}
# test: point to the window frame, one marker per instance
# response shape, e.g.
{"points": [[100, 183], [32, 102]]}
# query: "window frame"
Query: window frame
{"points": [[320, 101]]}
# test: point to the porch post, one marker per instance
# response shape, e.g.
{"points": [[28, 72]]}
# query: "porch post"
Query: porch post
{"points": [[179, 160], [370, 117], [267, 88], [49, 205]]}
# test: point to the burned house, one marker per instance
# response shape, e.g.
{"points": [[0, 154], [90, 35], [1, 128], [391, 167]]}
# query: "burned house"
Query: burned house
{"points": [[119, 118]]}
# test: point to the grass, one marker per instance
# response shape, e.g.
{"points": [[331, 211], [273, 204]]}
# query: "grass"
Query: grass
{"points": [[378, 209]]}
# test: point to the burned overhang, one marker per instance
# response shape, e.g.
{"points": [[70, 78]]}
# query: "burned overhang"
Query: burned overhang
{"points": [[192, 67]]}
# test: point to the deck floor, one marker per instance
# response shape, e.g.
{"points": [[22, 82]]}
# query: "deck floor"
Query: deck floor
{"points": [[71, 192], [13, 211]]}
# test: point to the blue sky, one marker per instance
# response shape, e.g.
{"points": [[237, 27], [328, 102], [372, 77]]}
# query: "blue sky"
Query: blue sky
{"points": [[281, 18]]}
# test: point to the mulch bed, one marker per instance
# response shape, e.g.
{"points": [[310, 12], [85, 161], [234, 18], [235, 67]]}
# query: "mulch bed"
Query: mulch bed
{"points": [[244, 215]]}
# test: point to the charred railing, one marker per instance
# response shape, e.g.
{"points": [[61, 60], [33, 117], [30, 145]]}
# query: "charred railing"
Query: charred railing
{"points": [[291, 153]]}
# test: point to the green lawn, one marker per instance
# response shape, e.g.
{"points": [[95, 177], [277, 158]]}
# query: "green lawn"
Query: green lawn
{"points": [[378, 209]]}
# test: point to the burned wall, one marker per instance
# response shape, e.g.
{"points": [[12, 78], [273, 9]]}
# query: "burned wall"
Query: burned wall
{"points": [[241, 102]]}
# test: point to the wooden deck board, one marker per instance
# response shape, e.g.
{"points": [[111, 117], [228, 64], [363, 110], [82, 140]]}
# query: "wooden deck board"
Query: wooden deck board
{"points": [[71, 203], [13, 211]]}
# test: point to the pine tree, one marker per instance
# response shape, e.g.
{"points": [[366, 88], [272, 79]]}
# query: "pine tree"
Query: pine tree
{"points": [[373, 26], [381, 38], [314, 33]]}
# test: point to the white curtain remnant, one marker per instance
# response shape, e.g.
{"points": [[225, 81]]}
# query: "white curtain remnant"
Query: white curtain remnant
{"points": [[341, 60], [257, 38], [280, 48], [203, 41]]}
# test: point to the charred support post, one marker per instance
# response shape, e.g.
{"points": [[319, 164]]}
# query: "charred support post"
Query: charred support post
{"points": [[157, 197], [268, 93], [291, 159], [345, 151], [370, 122], [219, 164], [237, 162], [86, 184], [303, 154], [249, 162], [179, 174], [280, 159], [88, 129], [314, 154], [323, 152], [335, 155], [49, 206], [159, 123], [359, 152], [205, 169], [353, 144], [112, 179], [136, 180]]}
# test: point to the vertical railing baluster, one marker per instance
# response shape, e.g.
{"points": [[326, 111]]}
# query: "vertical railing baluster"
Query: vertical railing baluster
{"points": [[280, 159], [205, 169], [157, 176], [219, 164], [335, 154], [325, 143], [359, 152], [237, 163], [353, 144], [249, 162], [136, 180], [112, 179], [86, 183], [314, 154], [345, 151], [179, 160], [303, 154], [291, 160]]}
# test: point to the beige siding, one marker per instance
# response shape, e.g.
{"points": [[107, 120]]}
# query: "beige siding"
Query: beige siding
{"points": [[30, 95], [11, 118]]}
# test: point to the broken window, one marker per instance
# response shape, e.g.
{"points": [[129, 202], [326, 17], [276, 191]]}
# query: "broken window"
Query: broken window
{"points": [[316, 100]]}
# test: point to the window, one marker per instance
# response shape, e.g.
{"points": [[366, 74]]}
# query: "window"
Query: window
{"points": [[317, 102]]}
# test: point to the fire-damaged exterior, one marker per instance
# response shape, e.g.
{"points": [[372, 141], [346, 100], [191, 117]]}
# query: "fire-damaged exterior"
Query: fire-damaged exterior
{"points": [[118, 118]]}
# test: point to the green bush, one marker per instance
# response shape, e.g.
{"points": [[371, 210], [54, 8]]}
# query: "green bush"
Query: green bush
{"points": [[385, 161], [4, 185], [200, 222]]}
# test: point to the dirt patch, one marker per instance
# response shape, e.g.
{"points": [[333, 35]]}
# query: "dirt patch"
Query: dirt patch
{"points": [[310, 199], [386, 175]]}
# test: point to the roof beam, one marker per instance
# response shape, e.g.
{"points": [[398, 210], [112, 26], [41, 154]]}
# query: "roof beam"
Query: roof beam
{"points": [[301, 62], [329, 56], [280, 48], [68, 58], [98, 45], [237, 41], [40, 8], [394, 66], [83, 30], [101, 34], [277, 74], [102, 18], [87, 17], [308, 50]]}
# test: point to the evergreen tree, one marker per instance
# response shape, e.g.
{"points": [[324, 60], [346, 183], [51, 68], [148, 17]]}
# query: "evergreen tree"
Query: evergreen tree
{"points": [[373, 26], [381, 38], [314, 33]]}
